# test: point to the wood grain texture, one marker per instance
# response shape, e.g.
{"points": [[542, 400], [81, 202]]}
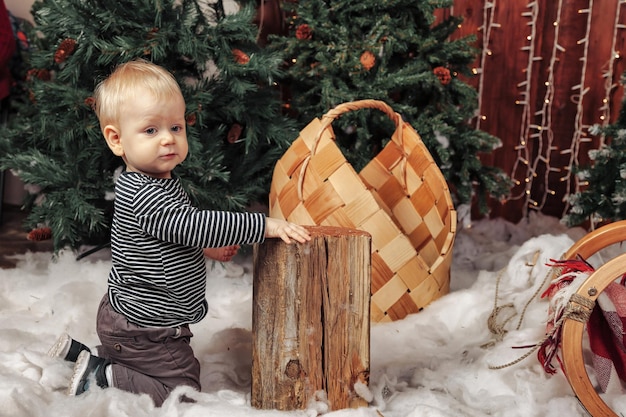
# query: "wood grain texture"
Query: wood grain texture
{"points": [[310, 321], [578, 62]]}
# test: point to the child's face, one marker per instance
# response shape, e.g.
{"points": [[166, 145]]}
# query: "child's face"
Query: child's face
{"points": [[151, 135]]}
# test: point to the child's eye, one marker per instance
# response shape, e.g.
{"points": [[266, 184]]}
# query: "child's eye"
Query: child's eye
{"points": [[150, 131], [177, 128]]}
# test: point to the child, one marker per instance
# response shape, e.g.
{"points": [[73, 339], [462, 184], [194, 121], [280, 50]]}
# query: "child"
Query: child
{"points": [[156, 287]]}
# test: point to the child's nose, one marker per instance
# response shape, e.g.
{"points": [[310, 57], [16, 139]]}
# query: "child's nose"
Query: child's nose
{"points": [[168, 138]]}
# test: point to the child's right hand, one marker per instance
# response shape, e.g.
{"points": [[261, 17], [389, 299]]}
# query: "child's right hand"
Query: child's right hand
{"points": [[285, 230], [222, 254]]}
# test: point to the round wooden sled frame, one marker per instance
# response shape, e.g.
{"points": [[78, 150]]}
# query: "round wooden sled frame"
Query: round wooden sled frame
{"points": [[590, 289]]}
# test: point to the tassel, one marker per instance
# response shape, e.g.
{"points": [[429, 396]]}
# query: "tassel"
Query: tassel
{"points": [[549, 350], [570, 269], [572, 265]]}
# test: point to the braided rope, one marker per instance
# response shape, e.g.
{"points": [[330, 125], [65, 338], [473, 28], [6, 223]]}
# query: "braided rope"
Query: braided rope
{"points": [[498, 329], [492, 322], [537, 291], [578, 308]]}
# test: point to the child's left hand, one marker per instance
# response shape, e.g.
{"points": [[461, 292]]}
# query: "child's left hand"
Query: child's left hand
{"points": [[223, 254]]}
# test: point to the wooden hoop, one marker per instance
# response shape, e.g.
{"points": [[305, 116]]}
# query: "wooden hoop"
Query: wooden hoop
{"points": [[590, 289]]}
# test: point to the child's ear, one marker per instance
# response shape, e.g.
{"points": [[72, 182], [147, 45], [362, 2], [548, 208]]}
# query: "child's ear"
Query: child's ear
{"points": [[113, 138]]}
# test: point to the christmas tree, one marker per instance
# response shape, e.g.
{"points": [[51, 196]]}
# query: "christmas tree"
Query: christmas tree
{"points": [[344, 50], [235, 127], [604, 198]]}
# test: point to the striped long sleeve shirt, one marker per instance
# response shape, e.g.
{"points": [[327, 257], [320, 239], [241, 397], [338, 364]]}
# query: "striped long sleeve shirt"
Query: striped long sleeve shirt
{"points": [[158, 276]]}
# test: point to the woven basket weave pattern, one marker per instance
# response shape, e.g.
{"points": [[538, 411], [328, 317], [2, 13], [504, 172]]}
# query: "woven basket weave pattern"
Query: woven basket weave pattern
{"points": [[400, 197]]}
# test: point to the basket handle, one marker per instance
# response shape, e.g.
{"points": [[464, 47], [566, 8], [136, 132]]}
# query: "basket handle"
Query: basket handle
{"points": [[334, 113], [337, 111]]}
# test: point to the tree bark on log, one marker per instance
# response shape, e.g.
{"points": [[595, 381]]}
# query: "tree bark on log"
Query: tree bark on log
{"points": [[310, 320]]}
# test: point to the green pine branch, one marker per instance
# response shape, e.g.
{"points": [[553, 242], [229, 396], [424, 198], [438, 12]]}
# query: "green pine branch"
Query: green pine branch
{"points": [[324, 68], [54, 142]]}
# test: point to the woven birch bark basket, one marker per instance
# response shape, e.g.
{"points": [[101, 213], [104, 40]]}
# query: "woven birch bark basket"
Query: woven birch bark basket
{"points": [[400, 198]]}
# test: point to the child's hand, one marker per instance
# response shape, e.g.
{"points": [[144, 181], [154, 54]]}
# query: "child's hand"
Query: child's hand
{"points": [[286, 231], [223, 254]]}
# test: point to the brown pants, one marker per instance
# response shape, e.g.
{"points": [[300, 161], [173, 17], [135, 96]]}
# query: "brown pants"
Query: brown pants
{"points": [[146, 360]]}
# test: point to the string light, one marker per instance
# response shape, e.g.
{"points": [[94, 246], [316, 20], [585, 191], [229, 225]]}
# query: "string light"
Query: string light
{"points": [[536, 146], [523, 152], [609, 85], [572, 183], [488, 16], [540, 129]]}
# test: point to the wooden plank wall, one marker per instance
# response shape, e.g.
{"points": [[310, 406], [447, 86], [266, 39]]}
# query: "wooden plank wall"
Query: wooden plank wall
{"points": [[537, 57]]}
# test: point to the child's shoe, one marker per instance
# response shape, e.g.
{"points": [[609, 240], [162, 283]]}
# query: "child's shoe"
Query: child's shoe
{"points": [[88, 369], [67, 348]]}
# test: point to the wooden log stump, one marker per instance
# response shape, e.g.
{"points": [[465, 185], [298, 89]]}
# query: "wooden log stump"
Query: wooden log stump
{"points": [[310, 320]]}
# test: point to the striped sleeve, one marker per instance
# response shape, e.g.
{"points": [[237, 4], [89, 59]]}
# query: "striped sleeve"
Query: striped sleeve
{"points": [[163, 216], [158, 277]]}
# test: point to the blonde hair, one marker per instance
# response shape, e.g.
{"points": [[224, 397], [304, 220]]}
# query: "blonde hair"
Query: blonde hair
{"points": [[126, 81]]}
